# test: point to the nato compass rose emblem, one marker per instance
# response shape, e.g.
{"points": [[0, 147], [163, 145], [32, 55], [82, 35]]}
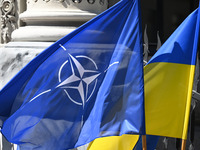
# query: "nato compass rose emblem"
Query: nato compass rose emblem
{"points": [[80, 84]]}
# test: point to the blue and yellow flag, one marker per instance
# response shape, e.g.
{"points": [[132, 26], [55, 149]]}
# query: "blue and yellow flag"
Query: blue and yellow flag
{"points": [[168, 80], [87, 85]]}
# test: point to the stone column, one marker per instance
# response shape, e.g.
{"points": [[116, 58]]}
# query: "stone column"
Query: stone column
{"points": [[50, 20], [8, 19]]}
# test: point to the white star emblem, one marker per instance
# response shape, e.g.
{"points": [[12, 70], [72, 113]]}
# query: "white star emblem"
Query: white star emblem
{"points": [[67, 83]]}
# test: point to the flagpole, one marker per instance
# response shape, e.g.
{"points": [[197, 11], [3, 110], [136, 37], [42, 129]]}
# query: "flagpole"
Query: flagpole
{"points": [[144, 142], [183, 144], [195, 50]]}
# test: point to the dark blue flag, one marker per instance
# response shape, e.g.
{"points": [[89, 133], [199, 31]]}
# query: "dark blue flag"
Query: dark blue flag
{"points": [[87, 85]]}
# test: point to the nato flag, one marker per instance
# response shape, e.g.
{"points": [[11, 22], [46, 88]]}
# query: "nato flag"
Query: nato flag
{"points": [[87, 85]]}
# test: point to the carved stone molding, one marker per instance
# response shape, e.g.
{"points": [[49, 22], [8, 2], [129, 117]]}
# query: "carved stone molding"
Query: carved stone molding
{"points": [[8, 19], [50, 20], [74, 1]]}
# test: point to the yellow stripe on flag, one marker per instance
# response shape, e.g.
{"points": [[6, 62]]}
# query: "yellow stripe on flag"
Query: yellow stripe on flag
{"points": [[124, 142], [168, 89]]}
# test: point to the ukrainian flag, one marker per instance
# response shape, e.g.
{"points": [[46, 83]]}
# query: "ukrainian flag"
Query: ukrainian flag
{"points": [[168, 79]]}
